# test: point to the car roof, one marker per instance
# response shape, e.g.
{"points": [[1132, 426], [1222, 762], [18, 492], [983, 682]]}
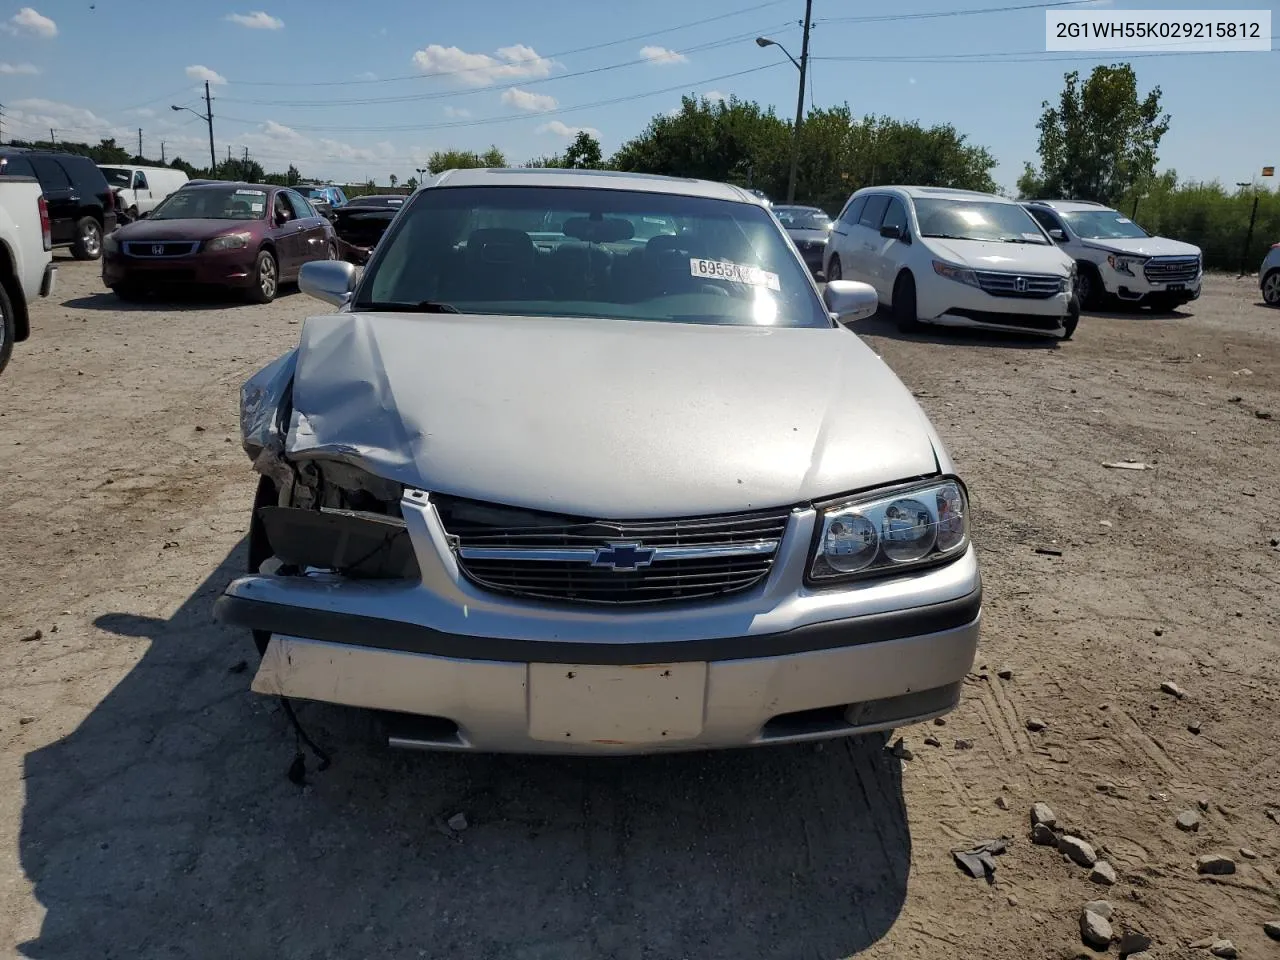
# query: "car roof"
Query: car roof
{"points": [[589, 179], [942, 193], [1067, 206], [208, 184], [797, 206]]}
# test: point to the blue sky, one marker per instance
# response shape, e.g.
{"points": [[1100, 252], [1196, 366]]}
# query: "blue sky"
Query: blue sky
{"points": [[281, 72]]}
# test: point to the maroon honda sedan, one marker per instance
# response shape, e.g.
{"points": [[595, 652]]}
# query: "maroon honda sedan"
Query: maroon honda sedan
{"points": [[250, 237]]}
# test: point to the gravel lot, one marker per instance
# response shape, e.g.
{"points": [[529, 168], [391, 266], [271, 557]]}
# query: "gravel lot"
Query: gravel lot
{"points": [[145, 812]]}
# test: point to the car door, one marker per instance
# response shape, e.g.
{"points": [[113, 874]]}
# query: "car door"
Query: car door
{"points": [[313, 238], [142, 197], [888, 255], [285, 232], [60, 195], [841, 233], [864, 239]]}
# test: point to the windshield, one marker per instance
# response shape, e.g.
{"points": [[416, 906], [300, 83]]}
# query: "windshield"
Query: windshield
{"points": [[573, 252], [1104, 225], [217, 203], [977, 220], [802, 218], [117, 177]]}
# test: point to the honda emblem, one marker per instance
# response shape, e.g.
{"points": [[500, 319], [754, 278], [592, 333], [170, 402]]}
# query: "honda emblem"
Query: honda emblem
{"points": [[157, 250]]}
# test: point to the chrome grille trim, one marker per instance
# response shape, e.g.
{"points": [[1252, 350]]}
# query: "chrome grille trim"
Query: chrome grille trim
{"points": [[552, 557], [1171, 269], [1035, 286], [172, 248]]}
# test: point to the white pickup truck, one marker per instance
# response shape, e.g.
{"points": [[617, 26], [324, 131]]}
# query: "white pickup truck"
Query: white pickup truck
{"points": [[26, 261]]}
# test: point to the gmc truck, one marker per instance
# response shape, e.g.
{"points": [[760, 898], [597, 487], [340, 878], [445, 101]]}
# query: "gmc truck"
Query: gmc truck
{"points": [[26, 260]]}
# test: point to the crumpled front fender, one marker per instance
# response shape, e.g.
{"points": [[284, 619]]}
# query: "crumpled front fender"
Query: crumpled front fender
{"points": [[265, 400]]}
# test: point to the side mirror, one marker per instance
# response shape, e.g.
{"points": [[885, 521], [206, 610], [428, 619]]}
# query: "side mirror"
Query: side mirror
{"points": [[891, 232], [144, 214], [329, 280], [850, 300], [1057, 235]]}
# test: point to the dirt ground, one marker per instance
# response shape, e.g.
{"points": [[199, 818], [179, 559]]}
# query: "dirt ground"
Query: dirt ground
{"points": [[145, 811]]}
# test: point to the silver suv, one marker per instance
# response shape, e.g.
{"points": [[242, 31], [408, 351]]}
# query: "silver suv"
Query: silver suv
{"points": [[585, 463]]}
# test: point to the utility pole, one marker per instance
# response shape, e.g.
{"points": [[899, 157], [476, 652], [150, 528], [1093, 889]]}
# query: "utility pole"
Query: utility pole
{"points": [[1, 123], [53, 138], [163, 161], [1248, 239], [795, 131], [208, 115]]}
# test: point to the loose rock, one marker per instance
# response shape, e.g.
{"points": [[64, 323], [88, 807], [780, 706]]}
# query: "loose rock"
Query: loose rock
{"points": [[1103, 873], [1203, 803], [1002, 803], [1225, 949], [1172, 689], [1248, 854], [1095, 929], [25, 720], [1194, 727], [1272, 929], [33, 635], [1042, 813], [1133, 943], [902, 751], [1005, 673], [1043, 835], [1102, 908], [458, 822], [1215, 864], [939, 721], [1035, 725], [1078, 850], [1189, 821], [964, 744], [932, 742]]}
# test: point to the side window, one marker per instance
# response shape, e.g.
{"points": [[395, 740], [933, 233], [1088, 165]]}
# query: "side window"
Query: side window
{"points": [[896, 215], [51, 174], [873, 212], [140, 180], [853, 211], [301, 209], [17, 167], [342, 197], [1044, 218]]}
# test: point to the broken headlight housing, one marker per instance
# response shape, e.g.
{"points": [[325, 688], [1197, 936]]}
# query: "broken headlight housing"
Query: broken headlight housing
{"points": [[885, 532]]}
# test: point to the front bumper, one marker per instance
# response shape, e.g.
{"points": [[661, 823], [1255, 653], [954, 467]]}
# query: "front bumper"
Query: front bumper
{"points": [[49, 280], [493, 673], [1135, 288], [232, 268], [950, 304]]}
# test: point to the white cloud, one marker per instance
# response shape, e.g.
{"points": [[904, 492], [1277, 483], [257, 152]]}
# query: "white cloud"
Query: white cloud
{"points": [[457, 112], [28, 20], [9, 69], [278, 131], [524, 100], [714, 95], [258, 20], [662, 55], [564, 130], [480, 69], [201, 72]]}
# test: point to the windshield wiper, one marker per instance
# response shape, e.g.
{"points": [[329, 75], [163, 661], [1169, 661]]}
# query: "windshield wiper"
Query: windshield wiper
{"points": [[1038, 243], [946, 236], [423, 306]]}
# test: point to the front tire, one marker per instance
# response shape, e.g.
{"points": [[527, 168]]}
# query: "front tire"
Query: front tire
{"points": [[1089, 288], [1271, 288], [833, 269], [88, 244], [905, 311], [266, 278]]}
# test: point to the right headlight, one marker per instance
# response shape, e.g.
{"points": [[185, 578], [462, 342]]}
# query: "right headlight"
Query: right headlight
{"points": [[888, 531], [958, 274], [229, 241]]}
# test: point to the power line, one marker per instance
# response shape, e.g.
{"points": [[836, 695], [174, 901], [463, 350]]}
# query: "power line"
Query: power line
{"points": [[485, 121], [966, 12], [455, 94], [512, 63], [994, 58]]}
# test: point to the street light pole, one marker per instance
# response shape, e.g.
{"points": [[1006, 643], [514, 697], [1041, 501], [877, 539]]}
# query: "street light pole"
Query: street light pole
{"points": [[803, 66], [1248, 239], [795, 132], [207, 117]]}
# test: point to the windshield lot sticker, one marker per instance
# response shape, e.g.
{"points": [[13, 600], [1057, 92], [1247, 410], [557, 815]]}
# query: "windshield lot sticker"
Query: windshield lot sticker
{"points": [[250, 193], [256, 207], [734, 273]]}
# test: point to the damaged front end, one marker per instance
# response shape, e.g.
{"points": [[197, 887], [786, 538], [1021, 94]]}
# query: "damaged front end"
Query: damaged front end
{"points": [[316, 514]]}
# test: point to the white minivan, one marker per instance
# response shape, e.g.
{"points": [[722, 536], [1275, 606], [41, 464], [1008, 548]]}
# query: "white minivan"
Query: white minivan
{"points": [[141, 189], [955, 258]]}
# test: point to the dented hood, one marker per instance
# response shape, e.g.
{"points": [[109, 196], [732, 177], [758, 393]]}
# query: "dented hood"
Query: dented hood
{"points": [[604, 418]]}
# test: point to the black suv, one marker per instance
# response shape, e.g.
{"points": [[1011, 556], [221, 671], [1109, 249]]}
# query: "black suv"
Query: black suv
{"points": [[82, 207]]}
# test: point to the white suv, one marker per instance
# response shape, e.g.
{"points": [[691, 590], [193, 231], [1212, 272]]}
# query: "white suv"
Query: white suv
{"points": [[954, 258], [1117, 258]]}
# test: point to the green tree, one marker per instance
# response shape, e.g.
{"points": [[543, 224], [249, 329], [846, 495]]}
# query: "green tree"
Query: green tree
{"points": [[393, 180], [292, 176], [465, 160], [583, 153], [1101, 141], [411, 183]]}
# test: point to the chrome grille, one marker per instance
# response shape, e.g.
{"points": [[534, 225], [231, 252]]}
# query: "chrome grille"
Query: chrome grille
{"points": [[1171, 269], [1029, 285], [580, 560], [160, 248]]}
